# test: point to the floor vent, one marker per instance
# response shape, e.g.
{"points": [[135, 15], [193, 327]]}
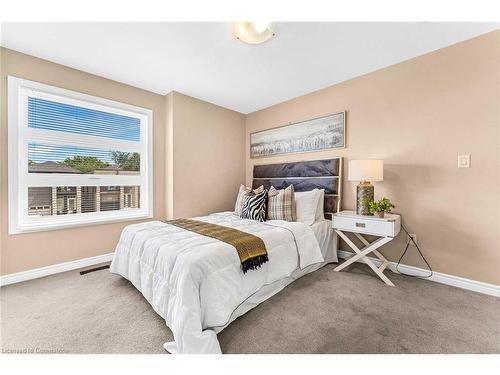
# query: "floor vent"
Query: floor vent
{"points": [[93, 270]]}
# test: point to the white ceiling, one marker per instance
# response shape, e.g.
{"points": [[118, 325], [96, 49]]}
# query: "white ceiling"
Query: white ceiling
{"points": [[204, 61]]}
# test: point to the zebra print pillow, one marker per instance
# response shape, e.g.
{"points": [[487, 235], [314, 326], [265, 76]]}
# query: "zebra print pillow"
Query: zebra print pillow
{"points": [[254, 207], [243, 193]]}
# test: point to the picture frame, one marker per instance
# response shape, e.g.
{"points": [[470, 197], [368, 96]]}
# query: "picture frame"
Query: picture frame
{"points": [[317, 134]]}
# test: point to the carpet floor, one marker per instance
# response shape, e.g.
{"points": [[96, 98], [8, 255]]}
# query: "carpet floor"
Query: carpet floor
{"points": [[323, 312]]}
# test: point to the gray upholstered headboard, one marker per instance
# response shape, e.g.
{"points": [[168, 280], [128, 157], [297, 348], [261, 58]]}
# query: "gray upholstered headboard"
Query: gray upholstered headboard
{"points": [[304, 176]]}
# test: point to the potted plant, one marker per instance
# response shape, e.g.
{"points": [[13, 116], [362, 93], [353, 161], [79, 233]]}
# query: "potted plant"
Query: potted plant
{"points": [[381, 207]]}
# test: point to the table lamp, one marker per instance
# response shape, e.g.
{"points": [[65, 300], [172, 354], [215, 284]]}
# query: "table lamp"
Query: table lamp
{"points": [[365, 171]]}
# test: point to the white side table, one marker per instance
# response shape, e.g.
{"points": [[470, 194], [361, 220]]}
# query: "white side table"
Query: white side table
{"points": [[386, 229]]}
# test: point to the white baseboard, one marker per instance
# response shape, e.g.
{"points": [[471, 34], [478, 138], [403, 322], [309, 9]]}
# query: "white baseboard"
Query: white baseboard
{"points": [[443, 278], [56, 268], [438, 277]]}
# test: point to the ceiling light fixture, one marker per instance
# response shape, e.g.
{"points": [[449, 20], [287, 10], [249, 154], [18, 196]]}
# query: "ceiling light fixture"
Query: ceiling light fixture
{"points": [[253, 32]]}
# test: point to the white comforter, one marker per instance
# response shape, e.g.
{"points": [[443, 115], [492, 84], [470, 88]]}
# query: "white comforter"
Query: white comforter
{"points": [[195, 282]]}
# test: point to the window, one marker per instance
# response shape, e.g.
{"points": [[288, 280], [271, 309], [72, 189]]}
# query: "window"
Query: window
{"points": [[75, 159]]}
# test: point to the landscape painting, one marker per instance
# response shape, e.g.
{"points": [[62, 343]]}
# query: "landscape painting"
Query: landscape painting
{"points": [[312, 135]]}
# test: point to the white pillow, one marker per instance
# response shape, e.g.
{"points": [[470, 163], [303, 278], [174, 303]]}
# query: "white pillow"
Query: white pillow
{"points": [[320, 210], [306, 205]]}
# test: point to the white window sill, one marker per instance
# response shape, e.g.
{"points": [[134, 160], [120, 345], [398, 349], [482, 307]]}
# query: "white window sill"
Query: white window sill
{"points": [[76, 223]]}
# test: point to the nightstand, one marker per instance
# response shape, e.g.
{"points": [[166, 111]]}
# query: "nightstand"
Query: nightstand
{"points": [[385, 228]]}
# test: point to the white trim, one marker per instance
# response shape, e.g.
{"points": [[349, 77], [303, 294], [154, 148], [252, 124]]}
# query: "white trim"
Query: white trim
{"points": [[12, 156], [438, 277], [75, 97], [442, 278], [103, 217], [20, 135], [61, 179], [56, 268]]}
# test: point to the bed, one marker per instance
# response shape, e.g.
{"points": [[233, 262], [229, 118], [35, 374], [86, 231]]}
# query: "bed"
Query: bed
{"points": [[195, 282]]}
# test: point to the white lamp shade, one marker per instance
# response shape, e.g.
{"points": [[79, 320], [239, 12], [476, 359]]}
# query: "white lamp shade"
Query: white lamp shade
{"points": [[366, 170]]}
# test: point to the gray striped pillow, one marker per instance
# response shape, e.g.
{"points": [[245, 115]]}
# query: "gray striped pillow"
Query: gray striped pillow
{"points": [[281, 204]]}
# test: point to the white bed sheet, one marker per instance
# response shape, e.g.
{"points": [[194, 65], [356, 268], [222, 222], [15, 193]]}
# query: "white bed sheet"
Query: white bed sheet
{"points": [[326, 236], [195, 282], [327, 242]]}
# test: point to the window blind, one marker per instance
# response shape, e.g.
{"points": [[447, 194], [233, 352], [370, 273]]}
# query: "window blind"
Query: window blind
{"points": [[50, 115], [70, 200]]}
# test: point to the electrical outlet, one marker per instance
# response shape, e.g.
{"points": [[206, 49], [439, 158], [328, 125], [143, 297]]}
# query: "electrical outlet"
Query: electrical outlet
{"points": [[464, 161], [408, 239]]}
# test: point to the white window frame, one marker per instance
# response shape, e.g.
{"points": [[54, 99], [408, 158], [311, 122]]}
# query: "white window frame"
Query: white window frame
{"points": [[20, 135]]}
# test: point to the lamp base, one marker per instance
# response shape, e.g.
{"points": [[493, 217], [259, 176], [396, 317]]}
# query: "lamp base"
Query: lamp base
{"points": [[364, 194]]}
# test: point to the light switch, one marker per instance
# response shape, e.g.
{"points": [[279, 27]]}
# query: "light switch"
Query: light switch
{"points": [[464, 161]]}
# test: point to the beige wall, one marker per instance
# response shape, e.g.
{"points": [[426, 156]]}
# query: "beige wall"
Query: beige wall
{"points": [[32, 250], [169, 154], [207, 158], [418, 116], [196, 174]]}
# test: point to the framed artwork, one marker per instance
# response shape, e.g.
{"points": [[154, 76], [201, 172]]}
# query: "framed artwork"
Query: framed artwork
{"points": [[321, 133]]}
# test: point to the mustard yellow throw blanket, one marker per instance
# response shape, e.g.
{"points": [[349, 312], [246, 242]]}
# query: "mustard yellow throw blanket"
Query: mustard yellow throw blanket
{"points": [[251, 249]]}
